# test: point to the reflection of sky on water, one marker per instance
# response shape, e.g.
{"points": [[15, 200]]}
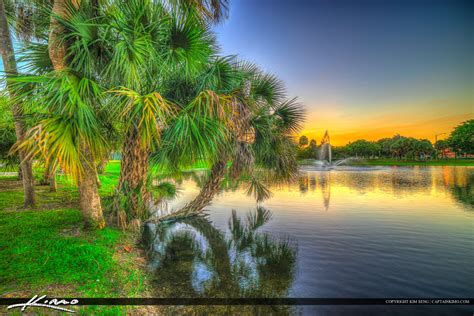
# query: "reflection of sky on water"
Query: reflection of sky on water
{"points": [[390, 232]]}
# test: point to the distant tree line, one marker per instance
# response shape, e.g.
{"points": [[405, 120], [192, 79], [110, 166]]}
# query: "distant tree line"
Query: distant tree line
{"points": [[460, 142]]}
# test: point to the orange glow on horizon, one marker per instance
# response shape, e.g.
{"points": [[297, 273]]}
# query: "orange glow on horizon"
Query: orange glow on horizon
{"points": [[420, 123]]}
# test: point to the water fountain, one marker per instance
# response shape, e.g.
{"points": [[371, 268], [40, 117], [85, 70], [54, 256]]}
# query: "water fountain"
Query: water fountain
{"points": [[324, 161], [325, 153]]}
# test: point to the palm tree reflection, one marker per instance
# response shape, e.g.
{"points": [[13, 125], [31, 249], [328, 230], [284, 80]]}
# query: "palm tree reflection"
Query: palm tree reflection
{"points": [[192, 258]]}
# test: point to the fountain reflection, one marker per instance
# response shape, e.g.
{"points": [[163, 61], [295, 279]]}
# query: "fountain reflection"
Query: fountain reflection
{"points": [[192, 258]]}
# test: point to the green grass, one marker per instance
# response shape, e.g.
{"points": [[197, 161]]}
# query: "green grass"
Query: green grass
{"points": [[395, 162], [46, 251]]}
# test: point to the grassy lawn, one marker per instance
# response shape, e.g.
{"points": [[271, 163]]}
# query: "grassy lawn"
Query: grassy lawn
{"points": [[395, 162], [45, 250]]}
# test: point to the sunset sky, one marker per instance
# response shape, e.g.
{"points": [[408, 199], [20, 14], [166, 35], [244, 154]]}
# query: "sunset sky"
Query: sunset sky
{"points": [[364, 69]]}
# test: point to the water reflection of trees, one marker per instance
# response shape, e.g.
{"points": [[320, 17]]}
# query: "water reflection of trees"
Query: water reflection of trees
{"points": [[200, 177], [192, 258], [397, 181], [464, 193]]}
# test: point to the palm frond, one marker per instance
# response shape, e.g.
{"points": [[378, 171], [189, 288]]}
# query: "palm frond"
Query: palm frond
{"points": [[267, 87], [34, 58], [214, 11], [258, 190], [258, 218], [190, 138], [190, 45], [149, 113], [68, 122], [290, 115]]}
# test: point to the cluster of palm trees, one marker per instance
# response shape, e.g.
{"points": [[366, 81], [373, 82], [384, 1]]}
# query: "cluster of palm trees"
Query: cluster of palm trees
{"points": [[143, 77]]}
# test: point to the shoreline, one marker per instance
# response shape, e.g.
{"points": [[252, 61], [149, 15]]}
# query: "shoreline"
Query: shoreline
{"points": [[394, 162]]}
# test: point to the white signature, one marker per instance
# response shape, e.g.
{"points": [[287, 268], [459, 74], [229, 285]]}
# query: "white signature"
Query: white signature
{"points": [[36, 301]]}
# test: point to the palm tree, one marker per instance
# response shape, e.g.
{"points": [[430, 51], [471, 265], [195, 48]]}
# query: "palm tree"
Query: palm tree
{"points": [[67, 100], [152, 48], [259, 144], [10, 67], [137, 49], [89, 141]]}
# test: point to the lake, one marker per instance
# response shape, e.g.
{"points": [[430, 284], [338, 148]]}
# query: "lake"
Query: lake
{"points": [[351, 232]]}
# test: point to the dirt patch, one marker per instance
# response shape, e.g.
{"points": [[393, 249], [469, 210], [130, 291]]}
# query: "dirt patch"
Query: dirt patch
{"points": [[71, 232], [10, 184]]}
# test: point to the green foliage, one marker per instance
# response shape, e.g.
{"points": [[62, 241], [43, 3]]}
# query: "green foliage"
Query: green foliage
{"points": [[66, 118], [307, 152], [398, 146], [461, 139], [303, 141], [362, 148], [29, 19], [7, 137], [165, 190]]}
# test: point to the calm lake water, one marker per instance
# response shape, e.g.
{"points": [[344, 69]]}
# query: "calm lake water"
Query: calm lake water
{"points": [[345, 233]]}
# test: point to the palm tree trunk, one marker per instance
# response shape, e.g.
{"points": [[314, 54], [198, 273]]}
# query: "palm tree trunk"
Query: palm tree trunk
{"points": [[52, 180], [208, 191], [102, 164], [89, 199], [9, 64], [46, 174], [49, 176], [134, 172], [56, 47]]}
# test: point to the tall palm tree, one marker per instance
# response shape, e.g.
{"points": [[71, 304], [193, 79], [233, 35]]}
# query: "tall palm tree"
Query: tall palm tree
{"points": [[67, 100], [89, 139], [10, 67], [151, 48]]}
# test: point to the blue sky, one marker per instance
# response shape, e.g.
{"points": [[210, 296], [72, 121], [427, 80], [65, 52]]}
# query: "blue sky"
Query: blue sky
{"points": [[363, 68]]}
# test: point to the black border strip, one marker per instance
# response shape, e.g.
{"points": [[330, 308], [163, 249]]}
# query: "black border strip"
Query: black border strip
{"points": [[254, 301]]}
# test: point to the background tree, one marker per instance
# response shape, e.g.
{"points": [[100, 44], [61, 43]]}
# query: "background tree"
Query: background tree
{"points": [[303, 141], [442, 146], [7, 137], [313, 149], [461, 139], [10, 67], [363, 148]]}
